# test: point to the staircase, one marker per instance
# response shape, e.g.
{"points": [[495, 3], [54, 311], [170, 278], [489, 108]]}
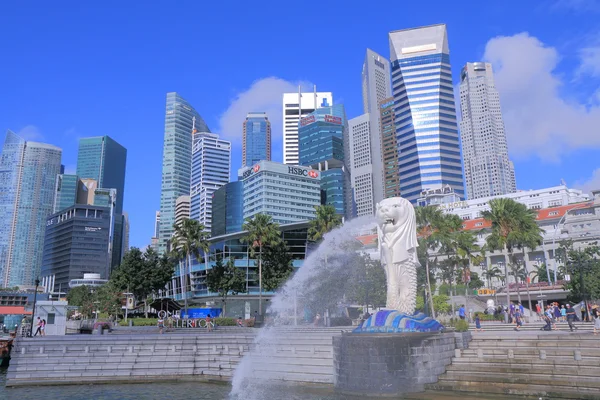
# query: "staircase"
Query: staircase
{"points": [[294, 354], [550, 365]]}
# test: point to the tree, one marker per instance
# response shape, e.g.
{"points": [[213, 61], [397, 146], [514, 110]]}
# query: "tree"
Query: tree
{"points": [[325, 221], [510, 221], [277, 266], [493, 272], [225, 280], [428, 219], [142, 273], [261, 232], [476, 282], [540, 274], [190, 237], [583, 266], [368, 285], [82, 297], [451, 237], [109, 299], [441, 304]]}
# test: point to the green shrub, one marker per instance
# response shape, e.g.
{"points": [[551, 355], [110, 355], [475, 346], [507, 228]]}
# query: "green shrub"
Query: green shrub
{"points": [[225, 321], [461, 326], [140, 322]]}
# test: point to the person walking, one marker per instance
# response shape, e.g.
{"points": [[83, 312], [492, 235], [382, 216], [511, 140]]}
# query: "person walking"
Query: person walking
{"points": [[556, 311], [161, 325], [571, 315], [209, 326], [43, 328], [518, 319], [478, 323], [538, 309], [563, 313], [596, 316], [39, 327], [461, 312]]}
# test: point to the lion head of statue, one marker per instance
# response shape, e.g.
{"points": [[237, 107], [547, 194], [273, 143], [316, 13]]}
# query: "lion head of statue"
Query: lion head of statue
{"points": [[393, 212]]}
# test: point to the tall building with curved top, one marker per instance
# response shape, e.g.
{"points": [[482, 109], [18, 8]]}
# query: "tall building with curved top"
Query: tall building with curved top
{"points": [[424, 110], [177, 160], [256, 139], [488, 170], [28, 173]]}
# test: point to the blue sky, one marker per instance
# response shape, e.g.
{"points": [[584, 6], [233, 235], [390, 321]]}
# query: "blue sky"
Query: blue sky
{"points": [[73, 69]]}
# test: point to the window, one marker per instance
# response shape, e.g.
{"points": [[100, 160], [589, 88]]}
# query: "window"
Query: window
{"points": [[50, 319], [552, 213]]}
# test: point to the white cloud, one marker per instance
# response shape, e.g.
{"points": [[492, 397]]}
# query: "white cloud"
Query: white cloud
{"points": [[590, 61], [539, 120], [576, 5], [592, 183], [264, 95], [31, 133]]}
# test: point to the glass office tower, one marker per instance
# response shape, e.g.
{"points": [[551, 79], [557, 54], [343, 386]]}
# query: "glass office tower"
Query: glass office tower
{"points": [[256, 140], [323, 142], [28, 173], [426, 129], [180, 120], [228, 209]]}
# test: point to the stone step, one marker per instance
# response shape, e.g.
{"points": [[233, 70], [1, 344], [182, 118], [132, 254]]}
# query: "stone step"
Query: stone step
{"points": [[550, 378], [532, 351], [516, 390], [531, 368], [293, 377], [550, 362]]}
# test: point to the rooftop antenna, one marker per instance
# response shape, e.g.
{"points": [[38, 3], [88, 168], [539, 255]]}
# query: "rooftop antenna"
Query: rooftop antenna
{"points": [[194, 125]]}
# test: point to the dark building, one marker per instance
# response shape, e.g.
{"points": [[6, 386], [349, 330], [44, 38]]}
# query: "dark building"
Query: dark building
{"points": [[77, 241], [228, 209]]}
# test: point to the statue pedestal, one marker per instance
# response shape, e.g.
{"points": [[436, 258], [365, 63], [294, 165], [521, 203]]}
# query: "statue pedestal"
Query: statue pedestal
{"points": [[379, 364]]}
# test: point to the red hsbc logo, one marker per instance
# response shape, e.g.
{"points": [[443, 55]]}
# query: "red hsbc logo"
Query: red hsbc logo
{"points": [[313, 174], [256, 168]]}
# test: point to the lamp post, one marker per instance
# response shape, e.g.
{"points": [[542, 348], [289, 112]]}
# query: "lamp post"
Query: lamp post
{"points": [[37, 283]]}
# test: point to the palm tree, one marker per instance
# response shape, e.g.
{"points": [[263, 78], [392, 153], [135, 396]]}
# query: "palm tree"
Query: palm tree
{"points": [[189, 238], [509, 221], [492, 273], [261, 231], [530, 238], [326, 220], [448, 232], [428, 219]]}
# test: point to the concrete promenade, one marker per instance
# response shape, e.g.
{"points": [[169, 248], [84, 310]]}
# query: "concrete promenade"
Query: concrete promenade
{"points": [[302, 354]]}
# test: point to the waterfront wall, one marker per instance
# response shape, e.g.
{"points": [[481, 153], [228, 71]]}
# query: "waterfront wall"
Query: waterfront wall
{"points": [[76, 359]]}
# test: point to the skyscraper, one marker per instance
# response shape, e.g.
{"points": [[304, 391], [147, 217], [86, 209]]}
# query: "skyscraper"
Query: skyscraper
{"points": [[182, 209], [177, 160], [28, 173], [256, 141], [70, 190], [325, 145], [365, 156], [389, 149], [77, 241], [426, 128], [488, 170], [211, 161], [125, 232], [295, 106], [103, 159], [228, 209]]}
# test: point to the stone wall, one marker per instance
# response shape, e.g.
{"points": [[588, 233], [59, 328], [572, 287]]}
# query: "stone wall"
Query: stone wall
{"points": [[391, 364]]}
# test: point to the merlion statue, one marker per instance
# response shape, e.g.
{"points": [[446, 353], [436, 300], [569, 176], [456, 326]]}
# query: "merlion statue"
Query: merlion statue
{"points": [[397, 234]]}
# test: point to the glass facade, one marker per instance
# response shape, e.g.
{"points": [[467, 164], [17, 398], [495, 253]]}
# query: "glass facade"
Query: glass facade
{"points": [[425, 115], [211, 160], [228, 209], [323, 142], [286, 193], [67, 187], [231, 246], [256, 140], [389, 149], [104, 160], [77, 241], [28, 173], [177, 158]]}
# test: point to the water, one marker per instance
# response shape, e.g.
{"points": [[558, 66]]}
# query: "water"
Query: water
{"points": [[321, 281], [181, 390]]}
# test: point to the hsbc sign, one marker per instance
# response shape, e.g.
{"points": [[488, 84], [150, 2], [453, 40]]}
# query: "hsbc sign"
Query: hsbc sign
{"points": [[303, 172]]}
